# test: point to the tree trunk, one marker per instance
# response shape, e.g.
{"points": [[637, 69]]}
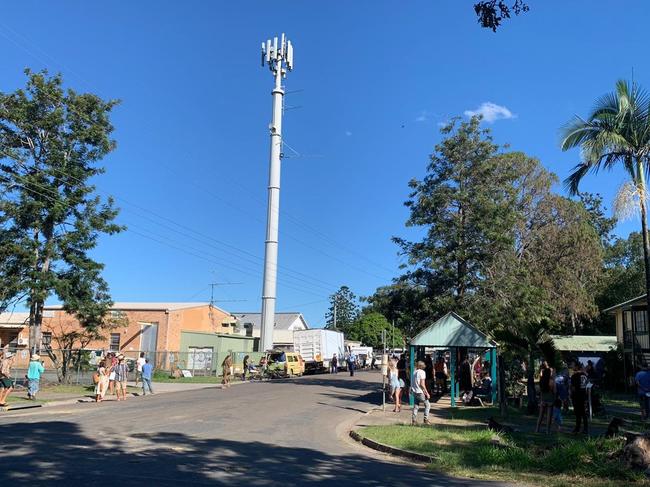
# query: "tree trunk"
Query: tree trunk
{"points": [[503, 400], [644, 231], [530, 385]]}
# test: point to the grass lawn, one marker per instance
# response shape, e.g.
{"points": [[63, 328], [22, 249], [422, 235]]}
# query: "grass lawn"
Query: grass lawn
{"points": [[463, 446]]}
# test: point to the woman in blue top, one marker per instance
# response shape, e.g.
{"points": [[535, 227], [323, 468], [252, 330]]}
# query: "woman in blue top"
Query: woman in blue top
{"points": [[34, 376]]}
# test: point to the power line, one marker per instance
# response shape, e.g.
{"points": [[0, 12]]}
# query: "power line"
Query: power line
{"points": [[283, 212]]}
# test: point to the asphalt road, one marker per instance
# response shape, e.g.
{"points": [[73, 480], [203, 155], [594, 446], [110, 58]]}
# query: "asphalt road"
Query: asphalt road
{"points": [[274, 433]]}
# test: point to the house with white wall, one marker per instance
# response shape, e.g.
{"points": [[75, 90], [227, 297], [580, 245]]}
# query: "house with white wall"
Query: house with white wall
{"points": [[250, 324]]}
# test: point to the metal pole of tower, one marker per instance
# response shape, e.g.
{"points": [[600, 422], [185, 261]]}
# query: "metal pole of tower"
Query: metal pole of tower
{"points": [[279, 58]]}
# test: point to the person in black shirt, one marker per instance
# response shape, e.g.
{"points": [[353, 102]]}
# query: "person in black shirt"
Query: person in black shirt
{"points": [[579, 397]]}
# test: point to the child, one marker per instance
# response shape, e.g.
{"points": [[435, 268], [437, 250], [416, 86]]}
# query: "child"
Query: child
{"points": [[557, 413]]}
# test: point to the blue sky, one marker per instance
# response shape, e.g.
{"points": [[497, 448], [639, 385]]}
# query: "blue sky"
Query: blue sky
{"points": [[373, 79]]}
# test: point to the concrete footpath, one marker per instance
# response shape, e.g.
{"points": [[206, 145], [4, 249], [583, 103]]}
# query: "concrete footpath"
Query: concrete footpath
{"points": [[49, 399]]}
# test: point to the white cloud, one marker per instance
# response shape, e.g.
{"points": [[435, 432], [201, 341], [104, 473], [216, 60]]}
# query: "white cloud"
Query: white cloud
{"points": [[348, 133], [423, 116], [491, 112]]}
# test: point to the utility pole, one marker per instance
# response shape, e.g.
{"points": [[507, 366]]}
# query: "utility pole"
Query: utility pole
{"points": [[335, 315], [279, 58]]}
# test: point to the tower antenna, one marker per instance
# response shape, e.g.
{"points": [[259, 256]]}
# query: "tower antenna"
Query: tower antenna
{"points": [[279, 58]]}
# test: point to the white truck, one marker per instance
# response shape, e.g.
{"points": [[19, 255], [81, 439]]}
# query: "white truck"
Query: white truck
{"points": [[317, 347]]}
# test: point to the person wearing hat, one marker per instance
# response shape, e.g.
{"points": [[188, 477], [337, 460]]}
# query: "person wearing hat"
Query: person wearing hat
{"points": [[121, 376], [34, 372], [6, 384]]}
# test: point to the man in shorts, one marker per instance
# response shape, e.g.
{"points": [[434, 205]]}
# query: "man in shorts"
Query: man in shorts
{"points": [[6, 384], [121, 376], [420, 392]]}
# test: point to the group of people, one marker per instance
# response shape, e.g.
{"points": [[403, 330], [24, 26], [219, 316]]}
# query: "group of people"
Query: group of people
{"points": [[418, 388], [33, 376], [113, 372], [555, 391]]}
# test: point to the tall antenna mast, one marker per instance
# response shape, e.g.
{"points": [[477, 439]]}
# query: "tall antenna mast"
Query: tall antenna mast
{"points": [[278, 56]]}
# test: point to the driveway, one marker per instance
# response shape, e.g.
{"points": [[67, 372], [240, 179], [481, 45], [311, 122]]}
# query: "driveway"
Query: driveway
{"points": [[290, 432]]}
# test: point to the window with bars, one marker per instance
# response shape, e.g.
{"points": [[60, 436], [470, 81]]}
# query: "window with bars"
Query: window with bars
{"points": [[46, 339], [114, 345]]}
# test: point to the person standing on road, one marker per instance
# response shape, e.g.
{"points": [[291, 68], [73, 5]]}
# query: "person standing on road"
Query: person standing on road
{"points": [[247, 364], [579, 382], [334, 365], [642, 380], [352, 361], [34, 376], [226, 366], [420, 392], [111, 363], [138, 368], [147, 375], [6, 384], [102, 382], [396, 385], [121, 377]]}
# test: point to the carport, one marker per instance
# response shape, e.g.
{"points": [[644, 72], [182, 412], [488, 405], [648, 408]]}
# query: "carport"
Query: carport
{"points": [[459, 337]]}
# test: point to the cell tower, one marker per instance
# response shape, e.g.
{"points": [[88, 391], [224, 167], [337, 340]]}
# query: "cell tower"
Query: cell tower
{"points": [[279, 58]]}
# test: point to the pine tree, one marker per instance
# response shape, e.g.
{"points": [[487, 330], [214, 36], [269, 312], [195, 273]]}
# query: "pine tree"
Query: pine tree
{"points": [[343, 310]]}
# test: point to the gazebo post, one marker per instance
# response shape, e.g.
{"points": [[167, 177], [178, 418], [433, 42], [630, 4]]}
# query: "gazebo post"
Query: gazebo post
{"points": [[493, 373], [452, 375], [412, 364]]}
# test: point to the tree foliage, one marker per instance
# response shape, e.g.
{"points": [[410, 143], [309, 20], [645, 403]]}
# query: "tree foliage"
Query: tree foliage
{"points": [[343, 310], [491, 13], [616, 134], [499, 246], [51, 143], [368, 329]]}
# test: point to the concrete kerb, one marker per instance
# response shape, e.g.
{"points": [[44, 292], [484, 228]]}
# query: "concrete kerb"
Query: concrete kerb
{"points": [[383, 448]]}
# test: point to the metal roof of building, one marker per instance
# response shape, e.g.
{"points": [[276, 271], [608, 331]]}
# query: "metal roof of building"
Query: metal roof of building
{"points": [[626, 304], [163, 306], [12, 319], [282, 320], [452, 331], [584, 343]]}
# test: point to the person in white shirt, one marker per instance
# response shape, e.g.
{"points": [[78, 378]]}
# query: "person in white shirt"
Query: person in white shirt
{"points": [[138, 367], [420, 392]]}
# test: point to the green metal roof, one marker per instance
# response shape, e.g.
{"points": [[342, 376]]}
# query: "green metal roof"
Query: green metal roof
{"points": [[452, 331], [584, 343]]}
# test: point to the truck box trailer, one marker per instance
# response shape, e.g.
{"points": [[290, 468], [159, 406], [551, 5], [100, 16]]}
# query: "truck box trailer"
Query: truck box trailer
{"points": [[317, 346]]}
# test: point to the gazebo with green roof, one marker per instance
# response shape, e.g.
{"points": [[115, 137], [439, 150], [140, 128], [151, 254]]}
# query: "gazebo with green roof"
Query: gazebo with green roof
{"points": [[451, 332]]}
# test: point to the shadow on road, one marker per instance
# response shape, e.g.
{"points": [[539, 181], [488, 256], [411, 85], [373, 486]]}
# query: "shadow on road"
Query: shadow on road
{"points": [[56, 453]]}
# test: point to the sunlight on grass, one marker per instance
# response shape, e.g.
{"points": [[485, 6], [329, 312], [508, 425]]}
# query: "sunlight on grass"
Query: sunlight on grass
{"points": [[480, 453]]}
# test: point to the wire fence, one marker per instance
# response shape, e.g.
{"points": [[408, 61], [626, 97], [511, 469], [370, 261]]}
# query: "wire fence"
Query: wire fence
{"points": [[78, 366]]}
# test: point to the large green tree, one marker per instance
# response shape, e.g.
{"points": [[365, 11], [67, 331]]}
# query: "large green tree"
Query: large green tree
{"points": [[51, 143], [343, 310], [616, 134], [465, 205], [369, 327]]}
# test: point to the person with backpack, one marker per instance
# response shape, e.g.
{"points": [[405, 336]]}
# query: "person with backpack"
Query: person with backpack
{"points": [[579, 381]]}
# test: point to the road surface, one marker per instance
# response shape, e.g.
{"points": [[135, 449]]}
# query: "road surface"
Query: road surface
{"points": [[273, 433]]}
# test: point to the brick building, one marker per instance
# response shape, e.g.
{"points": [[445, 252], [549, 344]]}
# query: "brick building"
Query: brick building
{"points": [[149, 327]]}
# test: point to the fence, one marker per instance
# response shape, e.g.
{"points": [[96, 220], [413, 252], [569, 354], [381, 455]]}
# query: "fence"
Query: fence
{"points": [[80, 365]]}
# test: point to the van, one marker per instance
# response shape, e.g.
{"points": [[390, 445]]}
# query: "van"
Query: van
{"points": [[290, 363]]}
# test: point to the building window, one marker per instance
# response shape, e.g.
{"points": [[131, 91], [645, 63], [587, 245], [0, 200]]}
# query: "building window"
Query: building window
{"points": [[46, 339], [249, 329], [115, 342]]}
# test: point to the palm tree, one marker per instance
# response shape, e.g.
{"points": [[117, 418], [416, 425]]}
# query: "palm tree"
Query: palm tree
{"points": [[616, 133]]}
